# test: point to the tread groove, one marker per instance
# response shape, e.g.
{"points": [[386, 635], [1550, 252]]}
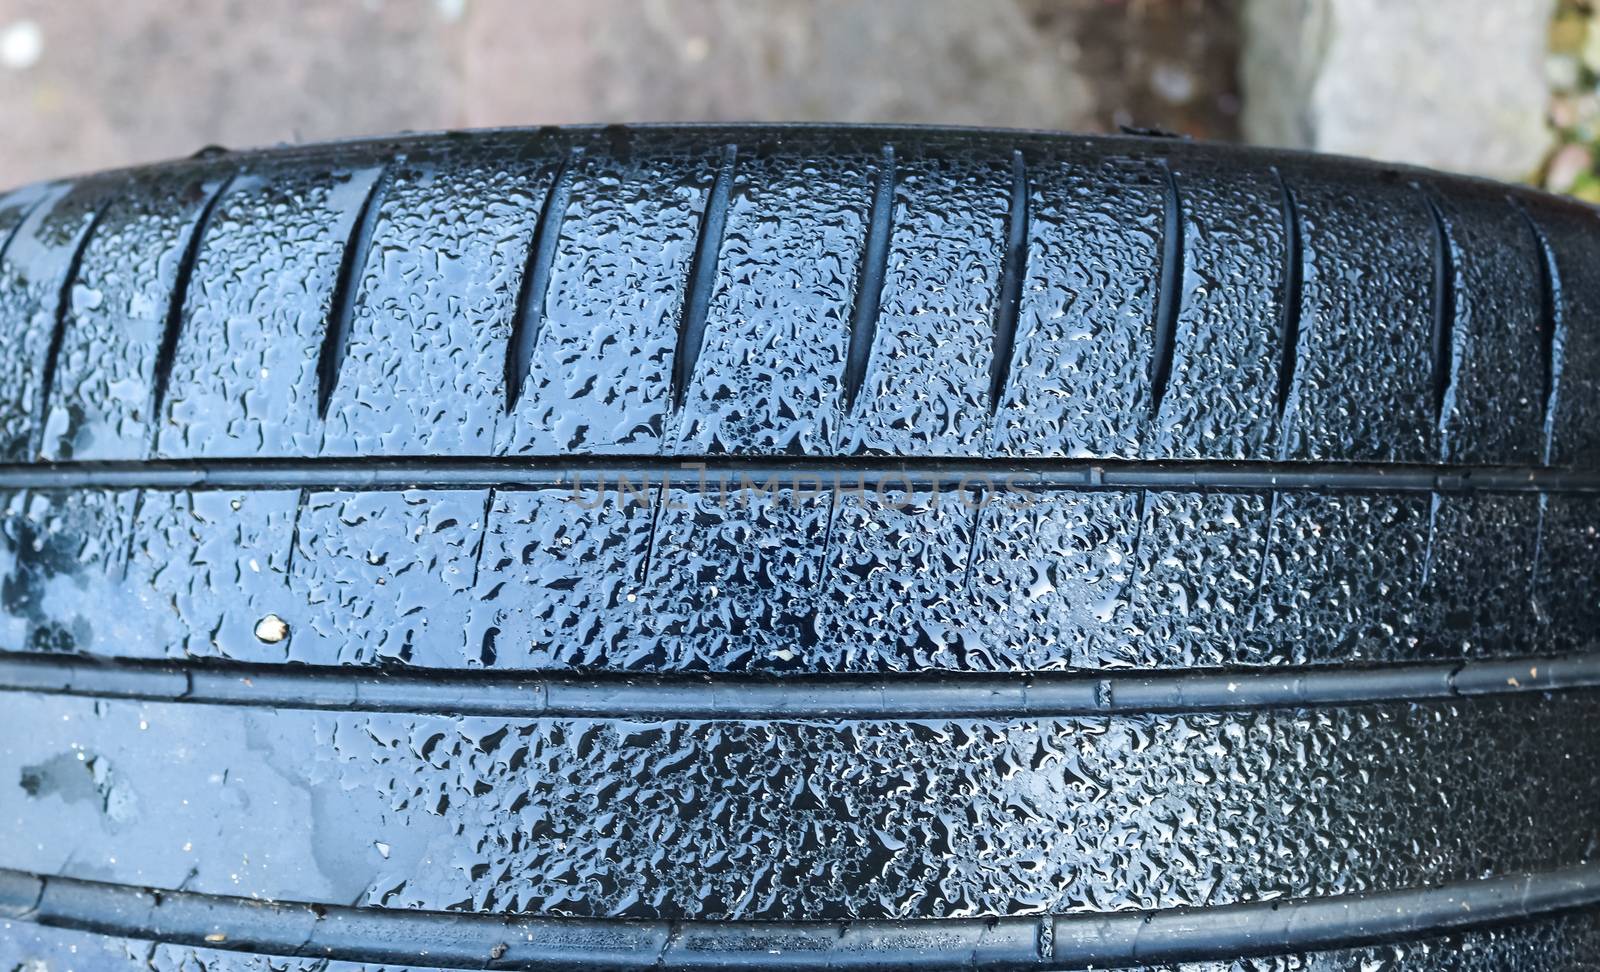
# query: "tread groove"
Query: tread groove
{"points": [[974, 538], [630, 474], [1443, 301], [656, 503], [1434, 502], [694, 694], [58, 330], [529, 314], [702, 277], [1552, 332], [133, 535], [1013, 271], [825, 562], [869, 279], [294, 531], [1536, 566], [457, 939], [1136, 544], [1290, 309], [342, 306], [1258, 591], [171, 330], [483, 535], [1169, 299]]}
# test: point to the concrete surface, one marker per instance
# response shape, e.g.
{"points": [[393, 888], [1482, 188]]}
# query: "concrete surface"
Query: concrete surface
{"points": [[1456, 85], [93, 83]]}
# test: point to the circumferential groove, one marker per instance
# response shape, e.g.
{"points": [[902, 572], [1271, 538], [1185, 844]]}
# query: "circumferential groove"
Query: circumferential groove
{"points": [[529, 314], [836, 473], [167, 351], [1104, 939], [1168, 299], [58, 329], [1552, 335], [1012, 272], [702, 277], [341, 309], [1289, 307], [869, 286], [749, 696], [1444, 311]]}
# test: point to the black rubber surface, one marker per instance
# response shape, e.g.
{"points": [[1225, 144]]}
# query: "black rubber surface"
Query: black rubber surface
{"points": [[804, 547]]}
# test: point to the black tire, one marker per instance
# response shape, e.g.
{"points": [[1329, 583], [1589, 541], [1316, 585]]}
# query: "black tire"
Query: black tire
{"points": [[798, 546]]}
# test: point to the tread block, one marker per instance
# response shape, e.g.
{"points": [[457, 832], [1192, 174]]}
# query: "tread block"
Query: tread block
{"points": [[926, 390], [32, 269], [1085, 333], [1363, 387], [600, 381], [434, 298], [63, 567], [1195, 580], [1574, 432], [244, 373], [1479, 591], [1567, 579], [769, 378], [236, 549], [102, 398], [1228, 345], [897, 581], [1049, 580], [384, 577], [1495, 405], [560, 578], [1341, 575], [16, 206], [733, 579]]}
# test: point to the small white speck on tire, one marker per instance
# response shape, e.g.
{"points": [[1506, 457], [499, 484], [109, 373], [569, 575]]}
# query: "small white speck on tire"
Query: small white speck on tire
{"points": [[272, 629]]}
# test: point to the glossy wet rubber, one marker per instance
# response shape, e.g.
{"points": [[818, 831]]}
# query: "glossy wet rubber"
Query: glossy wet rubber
{"points": [[802, 547]]}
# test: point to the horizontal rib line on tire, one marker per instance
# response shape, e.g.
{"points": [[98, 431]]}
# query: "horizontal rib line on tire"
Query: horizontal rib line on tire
{"points": [[722, 696], [465, 940], [843, 473]]}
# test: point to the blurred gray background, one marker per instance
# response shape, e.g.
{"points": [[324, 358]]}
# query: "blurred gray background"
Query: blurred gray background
{"points": [[1461, 84]]}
